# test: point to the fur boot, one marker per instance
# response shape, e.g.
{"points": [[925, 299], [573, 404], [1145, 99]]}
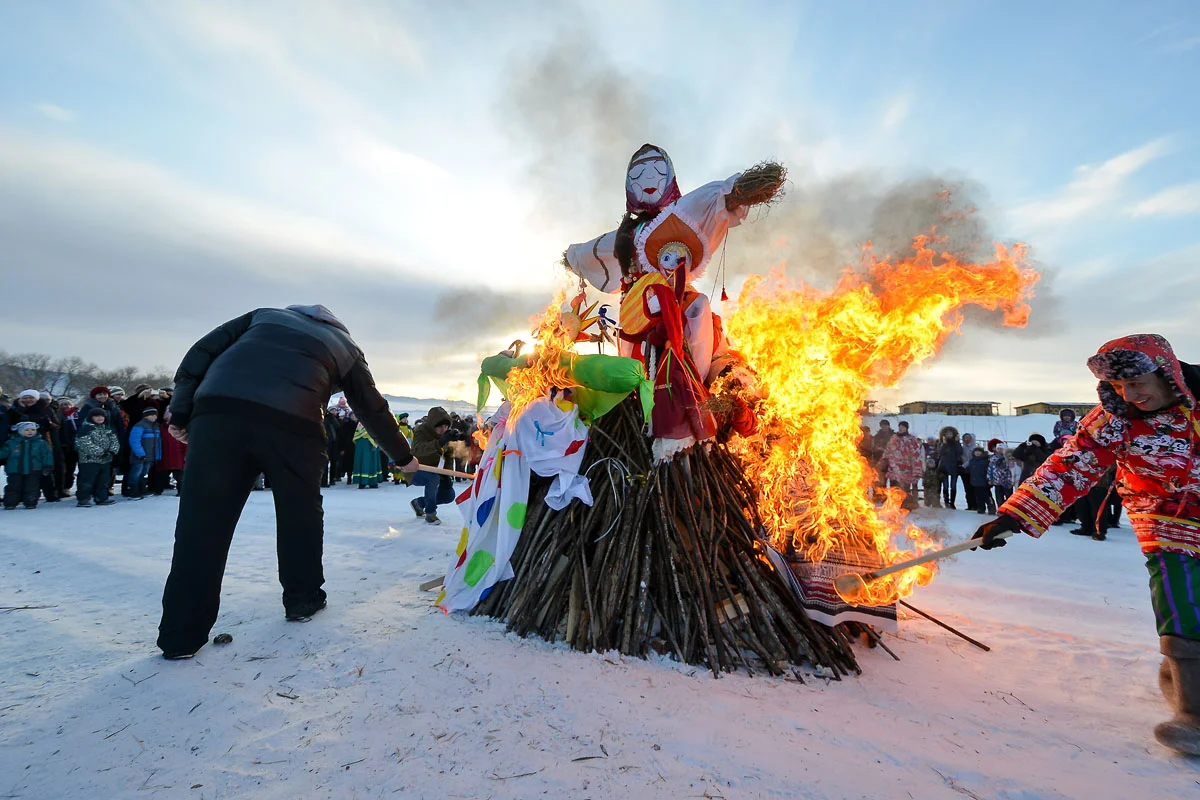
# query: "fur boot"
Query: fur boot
{"points": [[1182, 733]]}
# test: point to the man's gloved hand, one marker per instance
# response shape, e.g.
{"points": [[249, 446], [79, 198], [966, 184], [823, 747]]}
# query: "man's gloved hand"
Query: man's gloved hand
{"points": [[991, 532], [411, 467]]}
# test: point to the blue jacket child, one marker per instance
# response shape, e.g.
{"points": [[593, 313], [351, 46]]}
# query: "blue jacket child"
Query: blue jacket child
{"points": [[145, 448]]}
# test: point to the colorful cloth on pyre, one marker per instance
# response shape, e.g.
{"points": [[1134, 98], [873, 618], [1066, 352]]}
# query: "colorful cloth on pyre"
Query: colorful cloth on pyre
{"points": [[548, 438]]}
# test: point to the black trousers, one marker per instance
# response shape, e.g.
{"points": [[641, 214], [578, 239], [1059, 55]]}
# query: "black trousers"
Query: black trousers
{"points": [[22, 489], [982, 497], [94, 480], [70, 460], [225, 455]]}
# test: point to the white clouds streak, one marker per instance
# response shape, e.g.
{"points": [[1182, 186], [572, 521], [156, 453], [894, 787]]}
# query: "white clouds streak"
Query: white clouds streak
{"points": [[1094, 188], [56, 113], [1177, 201]]}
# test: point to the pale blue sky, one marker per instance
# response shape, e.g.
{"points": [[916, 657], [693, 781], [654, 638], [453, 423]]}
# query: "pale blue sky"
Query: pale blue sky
{"points": [[418, 167]]}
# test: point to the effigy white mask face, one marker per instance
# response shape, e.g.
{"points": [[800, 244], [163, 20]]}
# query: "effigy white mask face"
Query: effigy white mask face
{"points": [[649, 177], [672, 257]]}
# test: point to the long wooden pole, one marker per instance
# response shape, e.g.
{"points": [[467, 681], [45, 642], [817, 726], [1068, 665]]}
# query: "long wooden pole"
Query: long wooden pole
{"points": [[849, 582], [450, 472]]}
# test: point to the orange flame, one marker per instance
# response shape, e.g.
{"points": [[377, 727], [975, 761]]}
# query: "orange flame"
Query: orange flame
{"points": [[819, 355], [546, 365]]}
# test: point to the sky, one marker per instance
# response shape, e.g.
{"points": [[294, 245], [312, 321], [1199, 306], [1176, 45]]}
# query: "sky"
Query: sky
{"points": [[420, 167]]}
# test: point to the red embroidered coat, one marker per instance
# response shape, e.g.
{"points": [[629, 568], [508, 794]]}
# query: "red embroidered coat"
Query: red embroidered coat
{"points": [[1157, 457], [905, 457]]}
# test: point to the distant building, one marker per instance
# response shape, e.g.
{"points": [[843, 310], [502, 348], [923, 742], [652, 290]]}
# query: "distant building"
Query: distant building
{"points": [[1054, 408], [953, 408]]}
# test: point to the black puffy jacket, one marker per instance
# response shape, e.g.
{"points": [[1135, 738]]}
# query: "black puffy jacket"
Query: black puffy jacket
{"points": [[281, 365]]}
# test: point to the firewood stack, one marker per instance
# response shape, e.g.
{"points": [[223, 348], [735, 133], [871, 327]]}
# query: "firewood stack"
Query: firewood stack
{"points": [[667, 560]]}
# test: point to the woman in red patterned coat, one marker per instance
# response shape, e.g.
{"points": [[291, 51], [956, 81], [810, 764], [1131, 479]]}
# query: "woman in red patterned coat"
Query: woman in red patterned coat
{"points": [[1147, 425], [905, 457]]}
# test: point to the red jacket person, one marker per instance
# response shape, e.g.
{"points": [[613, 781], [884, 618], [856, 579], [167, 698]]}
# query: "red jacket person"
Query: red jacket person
{"points": [[250, 398], [1147, 425]]}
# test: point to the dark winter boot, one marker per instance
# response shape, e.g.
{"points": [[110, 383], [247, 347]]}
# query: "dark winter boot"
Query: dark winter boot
{"points": [[1182, 733], [418, 505]]}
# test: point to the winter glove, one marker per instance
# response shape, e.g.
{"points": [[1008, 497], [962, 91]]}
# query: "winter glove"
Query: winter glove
{"points": [[991, 532]]}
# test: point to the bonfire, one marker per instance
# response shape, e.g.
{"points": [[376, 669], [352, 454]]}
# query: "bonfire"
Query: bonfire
{"points": [[716, 504]]}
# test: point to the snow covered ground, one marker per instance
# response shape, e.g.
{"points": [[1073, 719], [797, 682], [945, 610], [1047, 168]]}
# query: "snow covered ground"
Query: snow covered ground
{"points": [[381, 696]]}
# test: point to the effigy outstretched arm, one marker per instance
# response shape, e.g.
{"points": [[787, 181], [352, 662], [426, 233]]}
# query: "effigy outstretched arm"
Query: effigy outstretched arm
{"points": [[762, 183]]}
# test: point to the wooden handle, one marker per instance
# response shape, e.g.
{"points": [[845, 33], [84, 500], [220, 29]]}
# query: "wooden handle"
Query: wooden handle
{"points": [[934, 556], [450, 472]]}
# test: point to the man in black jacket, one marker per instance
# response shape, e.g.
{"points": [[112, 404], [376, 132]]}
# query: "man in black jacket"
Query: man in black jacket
{"points": [[250, 398]]}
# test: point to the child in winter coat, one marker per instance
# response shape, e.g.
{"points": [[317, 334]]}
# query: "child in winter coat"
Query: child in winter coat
{"points": [[930, 483], [977, 475], [96, 445], [999, 475], [26, 458], [145, 448]]}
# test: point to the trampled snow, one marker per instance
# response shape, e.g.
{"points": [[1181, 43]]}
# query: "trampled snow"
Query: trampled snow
{"points": [[382, 696]]}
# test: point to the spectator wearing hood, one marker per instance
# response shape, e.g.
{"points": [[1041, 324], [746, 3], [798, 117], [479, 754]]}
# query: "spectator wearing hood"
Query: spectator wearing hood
{"points": [[999, 475], [1031, 453], [249, 399], [1066, 425], [977, 476], [1145, 426], [949, 464]]}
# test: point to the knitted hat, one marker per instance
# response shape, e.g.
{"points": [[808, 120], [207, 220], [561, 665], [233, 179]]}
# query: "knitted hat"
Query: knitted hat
{"points": [[993, 444], [22, 425], [98, 411], [1038, 437], [98, 390], [28, 393], [403, 416], [141, 387], [115, 389], [148, 412]]}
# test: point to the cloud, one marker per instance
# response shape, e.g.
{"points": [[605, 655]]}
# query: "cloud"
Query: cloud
{"points": [[142, 262], [1095, 187], [1177, 201], [56, 113], [895, 113]]}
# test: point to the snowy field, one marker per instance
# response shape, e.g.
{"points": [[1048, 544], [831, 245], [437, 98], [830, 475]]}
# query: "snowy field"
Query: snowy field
{"points": [[380, 696]]}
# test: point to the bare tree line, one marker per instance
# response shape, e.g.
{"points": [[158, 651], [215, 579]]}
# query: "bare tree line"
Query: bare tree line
{"points": [[70, 376]]}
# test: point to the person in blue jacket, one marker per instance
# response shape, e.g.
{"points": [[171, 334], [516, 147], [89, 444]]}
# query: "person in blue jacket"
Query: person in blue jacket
{"points": [[145, 448]]}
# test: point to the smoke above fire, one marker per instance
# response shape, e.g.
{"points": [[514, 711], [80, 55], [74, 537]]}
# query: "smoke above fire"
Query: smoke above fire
{"points": [[576, 118]]}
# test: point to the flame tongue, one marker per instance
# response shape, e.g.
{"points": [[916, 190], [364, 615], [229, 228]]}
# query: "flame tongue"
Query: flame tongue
{"points": [[819, 355]]}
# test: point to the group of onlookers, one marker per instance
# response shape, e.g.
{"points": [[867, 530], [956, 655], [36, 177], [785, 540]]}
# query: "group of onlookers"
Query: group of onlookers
{"points": [[438, 439], [988, 473], [50, 447]]}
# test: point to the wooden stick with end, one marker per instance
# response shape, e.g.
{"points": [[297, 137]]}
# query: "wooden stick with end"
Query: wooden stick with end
{"points": [[450, 472], [851, 583]]}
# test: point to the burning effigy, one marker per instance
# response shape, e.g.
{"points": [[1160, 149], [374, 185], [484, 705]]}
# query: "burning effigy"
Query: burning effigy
{"points": [[699, 493]]}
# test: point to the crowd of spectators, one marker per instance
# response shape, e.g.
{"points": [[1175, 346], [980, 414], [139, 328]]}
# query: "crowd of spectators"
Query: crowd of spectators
{"points": [[111, 445], [934, 468], [52, 446]]}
